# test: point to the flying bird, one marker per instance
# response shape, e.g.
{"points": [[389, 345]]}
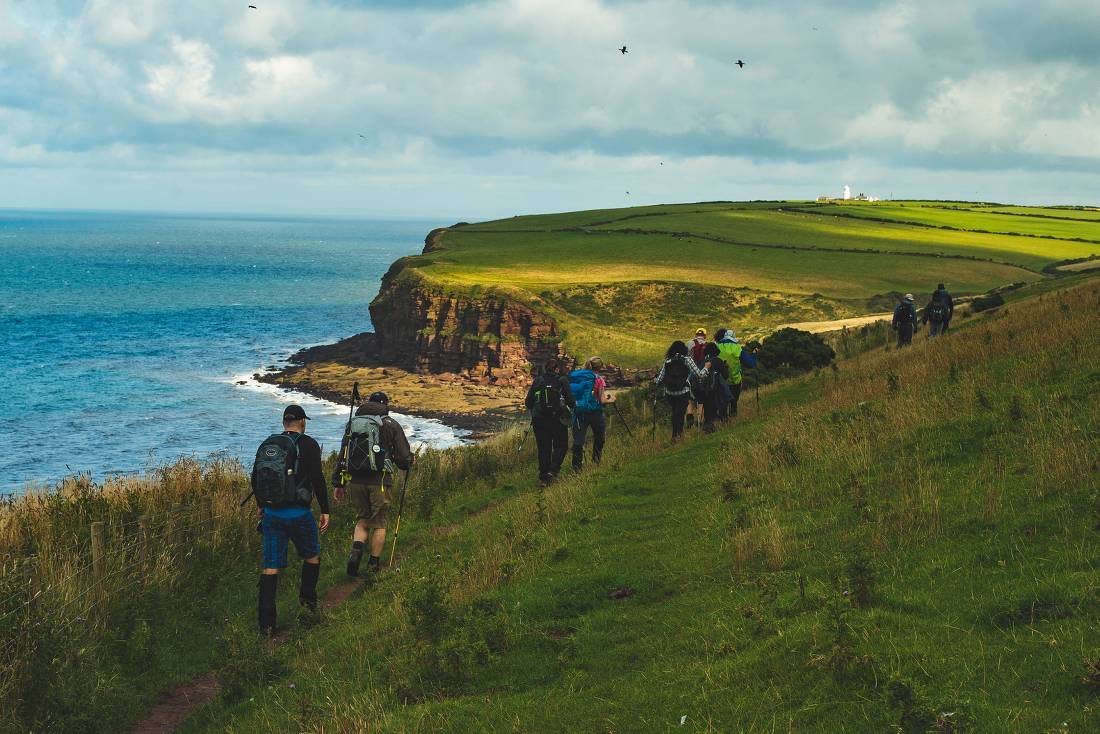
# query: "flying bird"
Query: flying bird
{"points": [[740, 63], [623, 49], [362, 136], [253, 7]]}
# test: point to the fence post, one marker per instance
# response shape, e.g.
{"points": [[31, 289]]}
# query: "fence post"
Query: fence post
{"points": [[206, 510], [144, 538], [172, 532], [98, 563], [30, 580]]}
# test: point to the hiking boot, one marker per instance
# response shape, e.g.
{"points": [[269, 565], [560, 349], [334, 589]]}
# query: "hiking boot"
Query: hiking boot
{"points": [[354, 559], [374, 565], [308, 613]]}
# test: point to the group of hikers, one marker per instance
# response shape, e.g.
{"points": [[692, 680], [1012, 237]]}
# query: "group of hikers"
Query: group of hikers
{"points": [[701, 382], [287, 475], [700, 379], [937, 314]]}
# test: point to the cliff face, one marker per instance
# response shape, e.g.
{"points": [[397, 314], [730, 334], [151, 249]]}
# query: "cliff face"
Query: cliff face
{"points": [[490, 339]]}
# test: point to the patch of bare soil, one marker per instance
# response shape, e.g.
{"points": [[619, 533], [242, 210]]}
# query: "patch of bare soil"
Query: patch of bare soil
{"points": [[174, 707], [177, 705]]}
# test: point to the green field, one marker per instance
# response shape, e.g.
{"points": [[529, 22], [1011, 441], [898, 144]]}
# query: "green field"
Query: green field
{"points": [[1016, 221], [624, 282], [906, 544]]}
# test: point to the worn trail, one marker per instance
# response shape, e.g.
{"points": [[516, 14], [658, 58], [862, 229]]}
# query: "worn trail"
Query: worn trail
{"points": [[177, 705]]}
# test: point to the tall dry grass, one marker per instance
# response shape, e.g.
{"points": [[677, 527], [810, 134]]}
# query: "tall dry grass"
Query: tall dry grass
{"points": [[161, 532]]}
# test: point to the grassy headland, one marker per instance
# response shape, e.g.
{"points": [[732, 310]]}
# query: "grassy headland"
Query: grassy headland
{"points": [[625, 282]]}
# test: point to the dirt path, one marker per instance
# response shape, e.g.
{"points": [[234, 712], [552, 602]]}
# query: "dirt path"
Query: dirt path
{"points": [[818, 327], [177, 705]]}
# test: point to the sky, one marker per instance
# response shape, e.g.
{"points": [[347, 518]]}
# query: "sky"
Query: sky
{"points": [[474, 110]]}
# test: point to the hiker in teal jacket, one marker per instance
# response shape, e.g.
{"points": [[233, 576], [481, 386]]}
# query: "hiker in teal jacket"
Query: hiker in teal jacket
{"points": [[590, 394]]}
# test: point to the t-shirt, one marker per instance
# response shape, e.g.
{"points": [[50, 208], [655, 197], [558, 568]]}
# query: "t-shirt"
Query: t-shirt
{"points": [[599, 386], [287, 513]]}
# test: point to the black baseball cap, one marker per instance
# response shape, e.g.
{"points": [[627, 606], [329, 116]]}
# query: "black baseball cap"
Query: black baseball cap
{"points": [[294, 413], [379, 397]]}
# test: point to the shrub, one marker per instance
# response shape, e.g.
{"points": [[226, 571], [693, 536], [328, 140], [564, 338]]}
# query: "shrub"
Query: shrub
{"points": [[986, 302]]}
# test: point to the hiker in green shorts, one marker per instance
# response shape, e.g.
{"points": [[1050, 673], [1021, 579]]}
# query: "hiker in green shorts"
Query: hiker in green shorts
{"points": [[373, 449]]}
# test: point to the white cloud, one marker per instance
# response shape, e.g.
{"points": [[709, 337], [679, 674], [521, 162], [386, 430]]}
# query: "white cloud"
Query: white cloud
{"points": [[290, 87]]}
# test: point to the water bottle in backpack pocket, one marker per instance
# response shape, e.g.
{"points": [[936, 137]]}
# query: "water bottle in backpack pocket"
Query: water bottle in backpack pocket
{"points": [[366, 454], [275, 478], [549, 401]]}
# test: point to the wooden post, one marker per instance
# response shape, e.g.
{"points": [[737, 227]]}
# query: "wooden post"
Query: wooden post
{"points": [[30, 580], [98, 571], [172, 531], [206, 510], [145, 537]]}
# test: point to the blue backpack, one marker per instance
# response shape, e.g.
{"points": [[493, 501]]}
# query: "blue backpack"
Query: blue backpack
{"points": [[582, 383]]}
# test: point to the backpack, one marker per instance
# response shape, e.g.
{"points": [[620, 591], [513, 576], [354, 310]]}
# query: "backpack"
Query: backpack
{"points": [[582, 383], [275, 479], [718, 369], [937, 311], [366, 455], [697, 352], [549, 401], [904, 312], [677, 374]]}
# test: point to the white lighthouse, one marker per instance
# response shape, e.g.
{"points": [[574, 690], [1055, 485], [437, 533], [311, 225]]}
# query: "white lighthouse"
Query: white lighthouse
{"points": [[847, 193]]}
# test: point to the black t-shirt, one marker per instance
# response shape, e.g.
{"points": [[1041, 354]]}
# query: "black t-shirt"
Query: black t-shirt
{"points": [[309, 464]]}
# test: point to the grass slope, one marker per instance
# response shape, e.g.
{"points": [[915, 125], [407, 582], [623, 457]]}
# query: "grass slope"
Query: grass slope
{"points": [[624, 282], [907, 543], [1052, 224]]}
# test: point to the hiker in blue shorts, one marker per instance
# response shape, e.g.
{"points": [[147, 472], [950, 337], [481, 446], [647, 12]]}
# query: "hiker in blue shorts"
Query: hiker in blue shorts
{"points": [[285, 478]]}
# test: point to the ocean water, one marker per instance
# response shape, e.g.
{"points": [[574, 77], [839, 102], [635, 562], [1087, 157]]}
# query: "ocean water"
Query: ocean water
{"points": [[123, 336]]}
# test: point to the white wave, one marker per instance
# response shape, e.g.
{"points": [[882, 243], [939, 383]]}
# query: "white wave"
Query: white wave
{"points": [[427, 432]]}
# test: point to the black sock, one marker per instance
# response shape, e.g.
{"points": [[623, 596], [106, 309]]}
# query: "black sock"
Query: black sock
{"points": [[308, 591], [269, 583], [375, 561]]}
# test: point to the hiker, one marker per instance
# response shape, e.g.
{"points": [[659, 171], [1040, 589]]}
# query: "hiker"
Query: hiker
{"points": [[713, 386], [696, 347], [551, 403], [375, 447], [938, 312], [589, 395], [905, 321], [286, 477], [738, 359], [675, 378]]}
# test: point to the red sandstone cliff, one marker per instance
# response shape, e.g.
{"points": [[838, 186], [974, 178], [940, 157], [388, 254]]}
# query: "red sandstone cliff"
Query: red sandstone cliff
{"points": [[423, 328]]}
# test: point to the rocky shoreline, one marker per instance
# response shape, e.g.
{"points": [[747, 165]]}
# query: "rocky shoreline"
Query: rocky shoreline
{"points": [[329, 371]]}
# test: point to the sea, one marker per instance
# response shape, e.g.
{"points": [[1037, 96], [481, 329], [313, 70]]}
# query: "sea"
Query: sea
{"points": [[124, 337]]}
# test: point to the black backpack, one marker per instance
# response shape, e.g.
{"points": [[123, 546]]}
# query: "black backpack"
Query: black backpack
{"points": [[937, 311], [549, 400], [275, 478], [677, 374]]}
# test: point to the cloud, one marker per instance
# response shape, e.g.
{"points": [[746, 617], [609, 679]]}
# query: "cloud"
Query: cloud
{"points": [[153, 86]]}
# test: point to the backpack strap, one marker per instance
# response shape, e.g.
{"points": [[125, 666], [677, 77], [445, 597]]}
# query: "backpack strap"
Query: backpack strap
{"points": [[294, 438]]}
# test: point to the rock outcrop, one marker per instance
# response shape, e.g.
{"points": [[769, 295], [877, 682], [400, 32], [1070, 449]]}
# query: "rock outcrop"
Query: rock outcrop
{"points": [[423, 328]]}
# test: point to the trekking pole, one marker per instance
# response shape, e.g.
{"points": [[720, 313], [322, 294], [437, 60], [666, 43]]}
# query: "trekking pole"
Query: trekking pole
{"points": [[519, 449], [342, 461], [400, 509], [756, 374], [655, 415], [625, 425]]}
